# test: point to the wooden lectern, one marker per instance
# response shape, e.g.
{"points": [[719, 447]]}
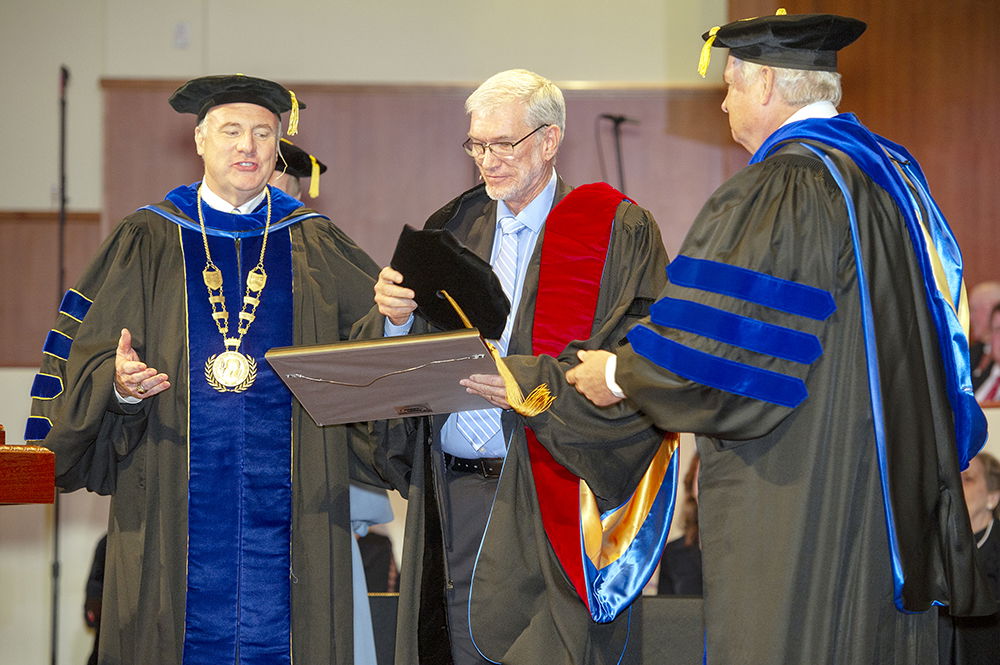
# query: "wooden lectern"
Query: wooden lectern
{"points": [[27, 473]]}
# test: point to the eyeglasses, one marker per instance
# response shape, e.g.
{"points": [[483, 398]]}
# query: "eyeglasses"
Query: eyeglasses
{"points": [[501, 149]]}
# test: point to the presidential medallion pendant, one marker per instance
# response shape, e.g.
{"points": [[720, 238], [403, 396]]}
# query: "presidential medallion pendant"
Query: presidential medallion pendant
{"points": [[230, 371]]}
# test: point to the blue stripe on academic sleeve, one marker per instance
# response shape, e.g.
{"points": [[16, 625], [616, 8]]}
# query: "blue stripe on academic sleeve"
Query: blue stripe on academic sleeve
{"points": [[741, 331], [715, 372], [57, 344], [752, 286], [46, 386], [75, 305], [37, 428]]}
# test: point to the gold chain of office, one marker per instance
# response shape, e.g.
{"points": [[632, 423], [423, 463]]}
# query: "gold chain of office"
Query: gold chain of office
{"points": [[231, 370]]}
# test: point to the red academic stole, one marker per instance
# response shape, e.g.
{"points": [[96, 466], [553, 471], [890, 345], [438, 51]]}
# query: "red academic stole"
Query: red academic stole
{"points": [[574, 250]]}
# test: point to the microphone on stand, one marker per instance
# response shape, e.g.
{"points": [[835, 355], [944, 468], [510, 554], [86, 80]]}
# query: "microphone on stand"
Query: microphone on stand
{"points": [[60, 286], [619, 119]]}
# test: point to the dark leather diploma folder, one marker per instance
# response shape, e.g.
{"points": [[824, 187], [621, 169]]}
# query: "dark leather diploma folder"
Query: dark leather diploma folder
{"points": [[391, 377]]}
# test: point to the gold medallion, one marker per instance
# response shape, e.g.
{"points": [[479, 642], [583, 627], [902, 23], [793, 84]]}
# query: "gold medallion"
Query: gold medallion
{"points": [[230, 371]]}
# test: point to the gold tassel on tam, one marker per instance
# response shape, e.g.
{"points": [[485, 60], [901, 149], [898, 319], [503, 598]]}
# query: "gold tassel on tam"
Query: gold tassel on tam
{"points": [[706, 48], [537, 401], [293, 116], [314, 178], [706, 52]]}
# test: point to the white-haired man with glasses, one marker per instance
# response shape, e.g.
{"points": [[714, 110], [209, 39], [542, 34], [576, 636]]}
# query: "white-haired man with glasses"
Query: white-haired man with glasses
{"points": [[480, 582]]}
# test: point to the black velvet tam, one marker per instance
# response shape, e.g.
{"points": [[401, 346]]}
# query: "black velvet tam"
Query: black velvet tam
{"points": [[793, 41], [199, 95], [296, 161], [432, 260]]}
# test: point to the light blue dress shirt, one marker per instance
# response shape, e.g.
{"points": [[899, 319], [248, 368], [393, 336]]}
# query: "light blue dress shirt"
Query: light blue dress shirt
{"points": [[533, 217]]}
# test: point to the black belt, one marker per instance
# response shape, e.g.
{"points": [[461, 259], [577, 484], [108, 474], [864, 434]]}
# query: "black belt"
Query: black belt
{"points": [[487, 467]]}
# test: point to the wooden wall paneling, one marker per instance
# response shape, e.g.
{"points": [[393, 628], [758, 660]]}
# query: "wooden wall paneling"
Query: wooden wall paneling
{"points": [[148, 148], [394, 152], [926, 75], [394, 156], [674, 156], [29, 275]]}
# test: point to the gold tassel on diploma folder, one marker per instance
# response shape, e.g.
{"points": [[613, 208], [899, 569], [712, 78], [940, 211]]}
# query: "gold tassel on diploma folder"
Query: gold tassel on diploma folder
{"points": [[537, 401]]}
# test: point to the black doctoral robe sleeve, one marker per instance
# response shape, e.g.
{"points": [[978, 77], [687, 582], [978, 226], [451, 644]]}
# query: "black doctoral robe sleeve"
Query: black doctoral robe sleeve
{"points": [[784, 202], [91, 430]]}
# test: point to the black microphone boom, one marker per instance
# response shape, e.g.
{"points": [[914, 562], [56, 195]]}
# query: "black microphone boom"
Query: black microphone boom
{"points": [[60, 288], [619, 119]]}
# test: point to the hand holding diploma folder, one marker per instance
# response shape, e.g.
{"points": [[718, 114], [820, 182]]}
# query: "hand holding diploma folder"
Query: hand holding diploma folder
{"points": [[413, 375]]}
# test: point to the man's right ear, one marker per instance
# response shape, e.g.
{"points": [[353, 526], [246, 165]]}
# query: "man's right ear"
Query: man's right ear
{"points": [[198, 140]]}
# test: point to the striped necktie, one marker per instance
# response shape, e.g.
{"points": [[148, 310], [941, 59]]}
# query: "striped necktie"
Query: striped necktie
{"points": [[481, 425]]}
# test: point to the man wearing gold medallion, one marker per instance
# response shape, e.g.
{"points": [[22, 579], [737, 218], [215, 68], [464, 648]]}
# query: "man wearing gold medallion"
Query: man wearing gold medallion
{"points": [[229, 536]]}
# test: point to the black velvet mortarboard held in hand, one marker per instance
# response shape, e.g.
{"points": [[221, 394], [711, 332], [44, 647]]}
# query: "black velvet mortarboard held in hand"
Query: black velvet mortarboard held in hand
{"points": [[432, 260]]}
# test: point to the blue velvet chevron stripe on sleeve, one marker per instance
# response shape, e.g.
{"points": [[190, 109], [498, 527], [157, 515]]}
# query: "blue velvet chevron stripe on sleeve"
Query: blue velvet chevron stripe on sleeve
{"points": [[735, 330], [75, 305], [756, 287]]}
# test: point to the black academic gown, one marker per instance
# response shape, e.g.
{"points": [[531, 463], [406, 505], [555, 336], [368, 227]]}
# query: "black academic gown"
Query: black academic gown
{"points": [[794, 534], [523, 608], [139, 455]]}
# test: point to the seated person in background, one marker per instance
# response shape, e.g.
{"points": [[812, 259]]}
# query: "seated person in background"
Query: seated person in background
{"points": [[680, 566], [976, 640], [989, 386], [983, 297]]}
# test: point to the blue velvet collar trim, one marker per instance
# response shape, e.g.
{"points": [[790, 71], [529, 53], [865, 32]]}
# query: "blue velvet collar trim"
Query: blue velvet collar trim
{"points": [[238, 605], [229, 225], [874, 155]]}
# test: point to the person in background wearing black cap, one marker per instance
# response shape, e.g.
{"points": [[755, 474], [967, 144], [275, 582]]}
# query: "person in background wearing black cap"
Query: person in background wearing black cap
{"points": [[294, 163], [804, 337], [548, 239], [229, 539], [369, 506]]}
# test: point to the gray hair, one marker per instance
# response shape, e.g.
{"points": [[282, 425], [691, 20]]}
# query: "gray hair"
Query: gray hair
{"points": [[797, 87], [543, 98]]}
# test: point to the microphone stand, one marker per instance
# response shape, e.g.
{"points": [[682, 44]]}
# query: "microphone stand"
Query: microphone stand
{"points": [[618, 120], [61, 286]]}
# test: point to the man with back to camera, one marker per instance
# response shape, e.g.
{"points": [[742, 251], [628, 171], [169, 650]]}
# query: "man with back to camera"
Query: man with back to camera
{"points": [[518, 606], [229, 537], [804, 337]]}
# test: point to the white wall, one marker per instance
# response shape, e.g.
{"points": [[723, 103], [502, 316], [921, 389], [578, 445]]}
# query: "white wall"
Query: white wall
{"points": [[336, 41], [36, 37]]}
